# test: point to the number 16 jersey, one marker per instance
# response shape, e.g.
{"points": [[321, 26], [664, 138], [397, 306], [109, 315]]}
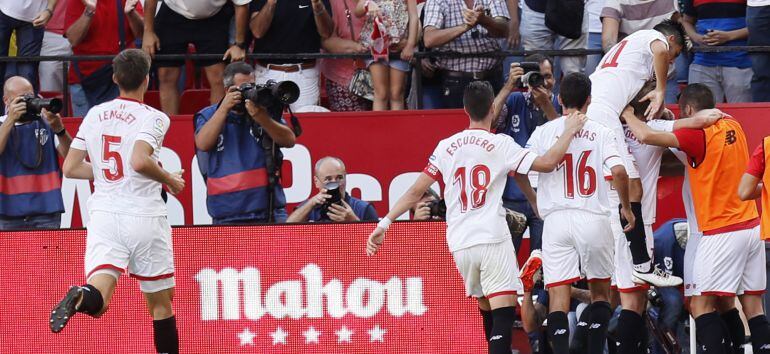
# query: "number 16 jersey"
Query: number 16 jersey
{"points": [[474, 166], [575, 183], [108, 133]]}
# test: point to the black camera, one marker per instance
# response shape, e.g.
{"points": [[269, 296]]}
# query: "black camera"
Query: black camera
{"points": [[437, 209], [532, 76], [273, 95], [332, 189], [35, 106]]}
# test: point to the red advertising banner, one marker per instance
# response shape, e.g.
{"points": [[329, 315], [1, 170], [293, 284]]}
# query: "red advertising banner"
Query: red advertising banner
{"points": [[383, 153], [258, 289]]}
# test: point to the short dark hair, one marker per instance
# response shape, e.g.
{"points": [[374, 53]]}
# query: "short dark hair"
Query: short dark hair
{"points": [[131, 67], [539, 58], [641, 107], [575, 90], [672, 28], [235, 68], [698, 96], [477, 99]]}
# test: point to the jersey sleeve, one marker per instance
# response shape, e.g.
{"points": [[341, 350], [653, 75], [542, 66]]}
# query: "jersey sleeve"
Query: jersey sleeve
{"points": [[757, 162], [693, 143], [610, 155], [79, 141], [433, 168], [517, 158], [153, 130]]}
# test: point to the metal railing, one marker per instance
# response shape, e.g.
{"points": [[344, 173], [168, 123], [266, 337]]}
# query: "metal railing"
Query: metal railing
{"points": [[67, 59]]}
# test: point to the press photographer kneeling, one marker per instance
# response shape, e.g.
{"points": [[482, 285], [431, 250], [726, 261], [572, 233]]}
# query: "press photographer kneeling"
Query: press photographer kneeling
{"points": [[238, 143], [30, 176]]}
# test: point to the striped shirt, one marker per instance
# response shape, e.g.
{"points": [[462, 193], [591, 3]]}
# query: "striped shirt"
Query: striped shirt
{"points": [[635, 15]]}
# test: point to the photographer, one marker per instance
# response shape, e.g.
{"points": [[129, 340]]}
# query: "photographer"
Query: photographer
{"points": [[526, 111], [234, 139], [332, 203], [30, 191], [430, 207]]}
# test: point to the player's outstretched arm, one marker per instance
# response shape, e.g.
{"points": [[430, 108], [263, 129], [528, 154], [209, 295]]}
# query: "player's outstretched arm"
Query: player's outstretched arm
{"points": [[523, 182], [142, 162], [620, 182], [75, 165], [548, 161], [702, 119], [749, 188], [647, 135], [660, 64], [409, 199]]}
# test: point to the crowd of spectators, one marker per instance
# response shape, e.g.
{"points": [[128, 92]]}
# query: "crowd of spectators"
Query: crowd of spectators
{"points": [[382, 28]]}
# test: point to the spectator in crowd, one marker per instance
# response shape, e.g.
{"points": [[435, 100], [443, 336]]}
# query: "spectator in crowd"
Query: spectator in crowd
{"points": [[28, 18], [719, 23], [240, 158], [758, 23], [284, 28], [54, 44], [525, 111], [398, 19], [206, 25], [535, 35], [330, 172], [594, 10], [432, 89], [422, 210], [339, 72], [623, 17], [99, 28], [28, 156], [456, 26]]}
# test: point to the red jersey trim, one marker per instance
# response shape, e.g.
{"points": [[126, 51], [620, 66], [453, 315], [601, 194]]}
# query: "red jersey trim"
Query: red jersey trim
{"points": [[156, 277], [521, 161], [30, 183], [237, 182], [129, 99], [716, 293], [486, 130], [598, 280], [634, 289], [562, 282], [744, 225], [432, 171], [753, 292], [104, 266], [499, 293]]}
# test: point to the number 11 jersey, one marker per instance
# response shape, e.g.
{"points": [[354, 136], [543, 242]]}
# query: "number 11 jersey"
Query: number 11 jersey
{"points": [[474, 166], [108, 133], [575, 183]]}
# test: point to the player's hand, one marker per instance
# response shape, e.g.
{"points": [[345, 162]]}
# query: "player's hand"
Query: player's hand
{"points": [[150, 43], [710, 115], [628, 113], [422, 212], [515, 72], [42, 18], [319, 198], [90, 5], [175, 182], [54, 120], [574, 122], [130, 6], [514, 38], [16, 109], [232, 98], [376, 238], [656, 98], [716, 37], [340, 213], [628, 216], [235, 53]]}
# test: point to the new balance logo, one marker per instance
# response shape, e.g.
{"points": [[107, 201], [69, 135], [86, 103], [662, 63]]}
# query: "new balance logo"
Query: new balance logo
{"points": [[582, 324], [730, 137], [559, 332], [765, 346], [497, 337], [595, 326]]}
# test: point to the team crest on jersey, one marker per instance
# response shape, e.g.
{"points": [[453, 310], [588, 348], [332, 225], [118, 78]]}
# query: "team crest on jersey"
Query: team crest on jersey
{"points": [[41, 135]]}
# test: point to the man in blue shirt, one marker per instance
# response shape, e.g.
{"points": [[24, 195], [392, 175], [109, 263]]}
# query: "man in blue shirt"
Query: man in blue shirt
{"points": [[329, 170], [670, 243], [525, 112], [30, 176], [233, 157]]}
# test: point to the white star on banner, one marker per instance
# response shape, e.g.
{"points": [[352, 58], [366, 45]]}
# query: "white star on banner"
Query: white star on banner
{"points": [[343, 335], [279, 336], [377, 334], [311, 335], [247, 337]]}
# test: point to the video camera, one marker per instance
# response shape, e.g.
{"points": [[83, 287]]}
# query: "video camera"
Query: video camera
{"points": [[532, 76], [332, 189], [272, 95], [35, 106]]}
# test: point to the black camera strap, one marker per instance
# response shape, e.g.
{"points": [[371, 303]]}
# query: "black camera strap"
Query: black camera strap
{"points": [[38, 154]]}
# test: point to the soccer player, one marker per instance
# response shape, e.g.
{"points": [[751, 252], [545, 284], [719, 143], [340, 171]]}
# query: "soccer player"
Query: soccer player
{"points": [[577, 238], [128, 228], [474, 166], [623, 71], [730, 258]]}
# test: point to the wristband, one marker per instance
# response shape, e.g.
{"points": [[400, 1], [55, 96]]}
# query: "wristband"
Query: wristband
{"points": [[61, 132], [384, 223]]}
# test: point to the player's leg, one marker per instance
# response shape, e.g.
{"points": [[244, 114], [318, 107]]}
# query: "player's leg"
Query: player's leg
{"points": [[165, 334], [500, 286], [734, 332], [753, 287], [92, 298], [558, 323], [600, 316], [595, 244], [468, 262]]}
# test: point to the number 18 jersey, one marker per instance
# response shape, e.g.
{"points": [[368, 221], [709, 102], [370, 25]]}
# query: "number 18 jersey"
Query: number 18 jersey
{"points": [[108, 133], [575, 184], [474, 166]]}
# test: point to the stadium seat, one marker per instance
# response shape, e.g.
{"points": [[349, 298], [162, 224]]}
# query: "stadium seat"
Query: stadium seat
{"points": [[152, 98], [193, 101]]}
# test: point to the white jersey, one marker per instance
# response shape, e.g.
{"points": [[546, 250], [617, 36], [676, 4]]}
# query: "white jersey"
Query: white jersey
{"points": [[474, 165], [648, 158], [624, 70], [108, 133], [577, 181]]}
